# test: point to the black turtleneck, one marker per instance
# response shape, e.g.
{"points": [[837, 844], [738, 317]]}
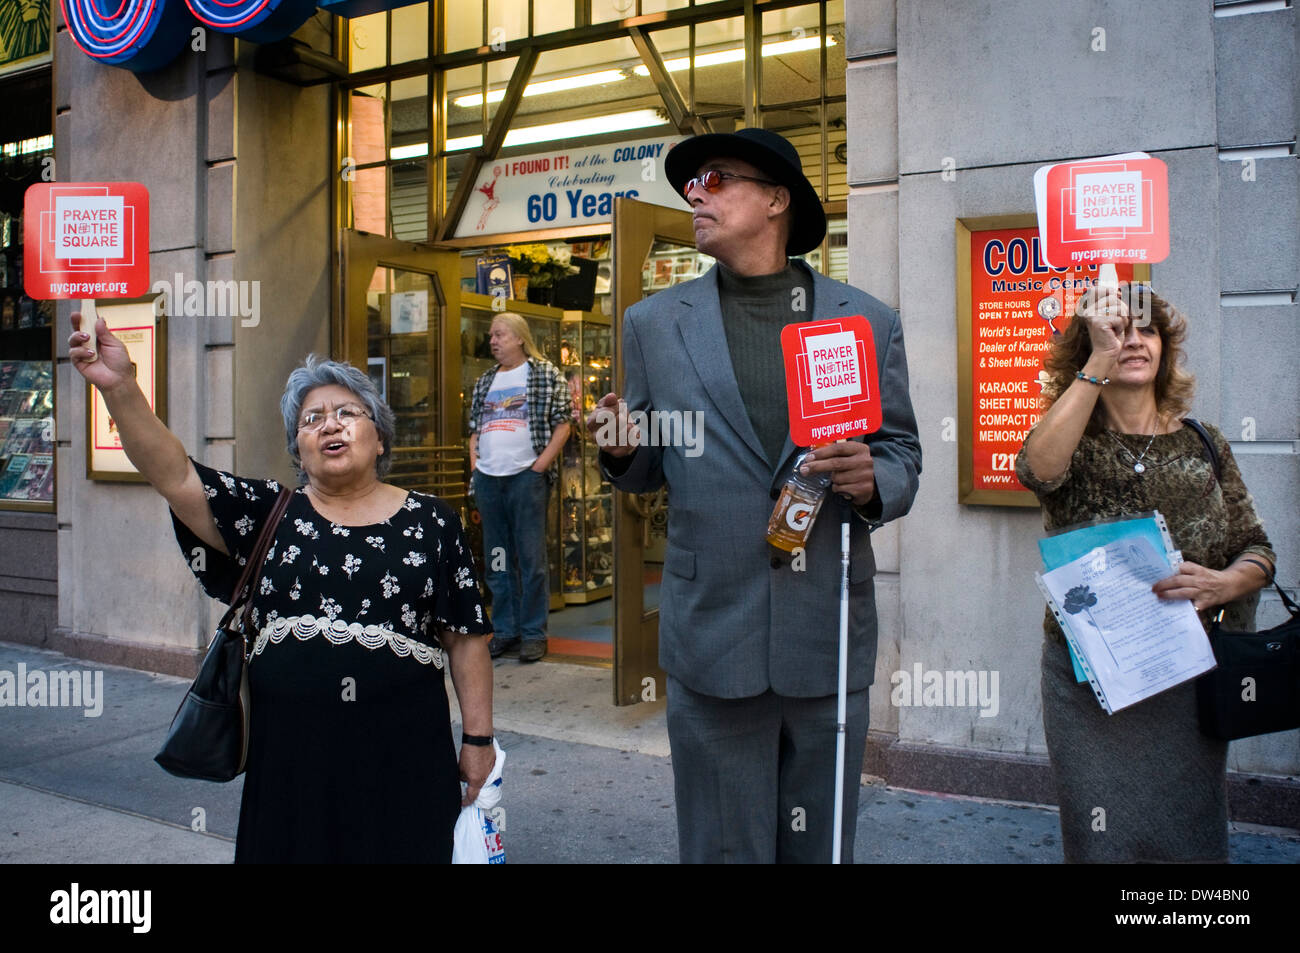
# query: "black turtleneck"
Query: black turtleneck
{"points": [[754, 310]]}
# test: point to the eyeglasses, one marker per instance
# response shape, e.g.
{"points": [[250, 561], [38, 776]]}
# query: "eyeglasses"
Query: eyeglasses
{"points": [[712, 181], [346, 416]]}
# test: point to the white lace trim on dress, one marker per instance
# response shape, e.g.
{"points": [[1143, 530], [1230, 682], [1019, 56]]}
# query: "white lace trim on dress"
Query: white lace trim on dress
{"points": [[338, 632]]}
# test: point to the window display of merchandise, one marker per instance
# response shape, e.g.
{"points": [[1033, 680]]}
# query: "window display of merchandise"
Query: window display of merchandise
{"points": [[26, 333], [586, 351], [588, 538], [597, 251], [26, 431], [17, 311], [670, 264]]}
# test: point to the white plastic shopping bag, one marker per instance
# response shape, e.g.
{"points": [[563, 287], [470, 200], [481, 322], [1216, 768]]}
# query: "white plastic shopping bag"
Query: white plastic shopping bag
{"points": [[478, 836]]}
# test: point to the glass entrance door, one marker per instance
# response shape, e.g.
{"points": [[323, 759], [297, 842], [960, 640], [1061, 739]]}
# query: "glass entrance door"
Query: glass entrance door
{"points": [[654, 248], [401, 307]]}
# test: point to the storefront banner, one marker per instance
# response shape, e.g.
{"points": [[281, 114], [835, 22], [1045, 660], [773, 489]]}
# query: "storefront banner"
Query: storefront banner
{"points": [[1014, 305], [1111, 209], [571, 187], [86, 240], [830, 380]]}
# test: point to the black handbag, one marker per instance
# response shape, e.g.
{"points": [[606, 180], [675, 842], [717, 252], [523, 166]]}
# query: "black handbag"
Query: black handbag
{"points": [[1255, 690], [208, 737]]}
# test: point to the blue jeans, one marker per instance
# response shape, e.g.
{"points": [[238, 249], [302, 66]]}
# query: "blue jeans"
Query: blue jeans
{"points": [[513, 509]]}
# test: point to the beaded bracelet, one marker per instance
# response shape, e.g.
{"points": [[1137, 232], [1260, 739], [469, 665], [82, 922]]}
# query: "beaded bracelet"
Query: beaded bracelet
{"points": [[1091, 380]]}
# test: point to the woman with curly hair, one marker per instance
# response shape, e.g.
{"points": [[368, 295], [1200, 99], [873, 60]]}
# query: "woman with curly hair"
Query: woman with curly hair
{"points": [[1112, 443]]}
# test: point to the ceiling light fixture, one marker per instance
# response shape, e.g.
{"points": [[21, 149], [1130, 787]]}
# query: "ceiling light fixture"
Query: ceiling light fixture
{"points": [[573, 129], [560, 85], [603, 77], [719, 57]]}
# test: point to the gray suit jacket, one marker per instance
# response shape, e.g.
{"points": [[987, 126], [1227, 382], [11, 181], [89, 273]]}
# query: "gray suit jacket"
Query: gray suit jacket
{"points": [[735, 618]]}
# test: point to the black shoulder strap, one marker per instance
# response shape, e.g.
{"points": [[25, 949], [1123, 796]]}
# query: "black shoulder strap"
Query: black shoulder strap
{"points": [[1209, 446], [1214, 461], [252, 574]]}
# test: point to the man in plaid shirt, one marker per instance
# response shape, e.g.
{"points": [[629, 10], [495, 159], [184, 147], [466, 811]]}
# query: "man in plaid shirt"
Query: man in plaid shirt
{"points": [[519, 420]]}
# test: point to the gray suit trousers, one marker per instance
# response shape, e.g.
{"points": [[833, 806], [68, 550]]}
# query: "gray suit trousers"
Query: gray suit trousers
{"points": [[755, 777]]}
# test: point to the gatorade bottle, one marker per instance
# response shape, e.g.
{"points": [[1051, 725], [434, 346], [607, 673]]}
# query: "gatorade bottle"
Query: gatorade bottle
{"points": [[796, 509]]}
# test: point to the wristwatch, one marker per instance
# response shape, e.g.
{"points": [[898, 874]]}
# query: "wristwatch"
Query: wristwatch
{"points": [[478, 741]]}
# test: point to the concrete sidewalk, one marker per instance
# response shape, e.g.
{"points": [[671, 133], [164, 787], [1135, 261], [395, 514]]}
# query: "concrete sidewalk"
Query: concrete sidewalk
{"points": [[586, 783]]}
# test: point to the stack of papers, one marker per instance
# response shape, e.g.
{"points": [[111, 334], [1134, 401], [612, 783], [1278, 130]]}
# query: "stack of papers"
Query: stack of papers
{"points": [[1128, 643]]}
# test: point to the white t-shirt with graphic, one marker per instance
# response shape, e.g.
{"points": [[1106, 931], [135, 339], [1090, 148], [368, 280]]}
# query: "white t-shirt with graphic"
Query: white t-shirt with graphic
{"points": [[505, 447]]}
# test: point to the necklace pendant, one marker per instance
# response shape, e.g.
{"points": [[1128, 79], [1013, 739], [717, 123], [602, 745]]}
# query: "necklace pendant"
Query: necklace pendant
{"points": [[1139, 468]]}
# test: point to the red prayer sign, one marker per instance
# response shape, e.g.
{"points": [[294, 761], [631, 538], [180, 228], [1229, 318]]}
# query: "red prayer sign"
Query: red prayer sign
{"points": [[830, 379], [1113, 209], [86, 240]]}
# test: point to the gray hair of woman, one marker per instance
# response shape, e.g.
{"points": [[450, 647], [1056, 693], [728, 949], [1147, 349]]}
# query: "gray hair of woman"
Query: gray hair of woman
{"points": [[316, 372]]}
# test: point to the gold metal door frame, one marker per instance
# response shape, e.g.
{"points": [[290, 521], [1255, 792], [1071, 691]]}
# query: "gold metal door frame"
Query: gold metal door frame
{"points": [[636, 631], [361, 253]]}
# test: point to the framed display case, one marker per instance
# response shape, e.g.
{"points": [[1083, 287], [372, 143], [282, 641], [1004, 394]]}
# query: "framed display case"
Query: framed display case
{"points": [[587, 530], [141, 325]]}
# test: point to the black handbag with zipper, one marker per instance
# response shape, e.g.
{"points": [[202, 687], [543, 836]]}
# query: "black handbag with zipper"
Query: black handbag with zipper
{"points": [[1255, 690]]}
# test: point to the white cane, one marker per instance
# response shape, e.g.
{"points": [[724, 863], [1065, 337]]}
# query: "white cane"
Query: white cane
{"points": [[842, 710]]}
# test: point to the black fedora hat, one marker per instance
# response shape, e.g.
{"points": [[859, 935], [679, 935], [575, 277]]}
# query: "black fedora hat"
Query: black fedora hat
{"points": [[768, 152]]}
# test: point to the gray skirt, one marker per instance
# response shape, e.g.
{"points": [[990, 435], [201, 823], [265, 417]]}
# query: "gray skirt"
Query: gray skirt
{"points": [[1140, 786]]}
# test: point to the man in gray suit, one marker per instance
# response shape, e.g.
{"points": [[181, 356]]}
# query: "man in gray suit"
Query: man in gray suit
{"points": [[749, 634]]}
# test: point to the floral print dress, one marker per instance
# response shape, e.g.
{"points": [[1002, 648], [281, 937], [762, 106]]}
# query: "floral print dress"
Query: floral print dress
{"points": [[351, 756]]}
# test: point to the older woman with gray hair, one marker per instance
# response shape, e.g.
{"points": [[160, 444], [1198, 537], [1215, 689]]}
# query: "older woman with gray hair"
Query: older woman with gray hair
{"points": [[367, 593]]}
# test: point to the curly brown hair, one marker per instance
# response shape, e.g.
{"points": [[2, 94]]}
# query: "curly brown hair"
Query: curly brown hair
{"points": [[1071, 350]]}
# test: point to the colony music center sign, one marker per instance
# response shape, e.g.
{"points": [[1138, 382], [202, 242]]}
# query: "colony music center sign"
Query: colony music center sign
{"points": [[143, 35], [1011, 306], [556, 189]]}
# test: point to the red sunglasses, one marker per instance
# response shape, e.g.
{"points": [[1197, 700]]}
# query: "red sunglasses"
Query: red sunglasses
{"points": [[712, 181]]}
